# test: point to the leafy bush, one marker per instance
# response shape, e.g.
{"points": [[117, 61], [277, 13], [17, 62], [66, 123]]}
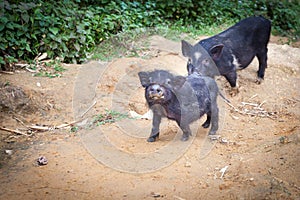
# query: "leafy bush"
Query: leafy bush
{"points": [[63, 28], [70, 29], [283, 14]]}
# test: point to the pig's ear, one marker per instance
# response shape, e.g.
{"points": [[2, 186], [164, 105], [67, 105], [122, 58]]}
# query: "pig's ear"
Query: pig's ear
{"points": [[144, 78], [216, 51], [178, 82], [186, 48]]}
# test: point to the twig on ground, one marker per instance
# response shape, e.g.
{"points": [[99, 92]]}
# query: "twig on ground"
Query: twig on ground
{"points": [[38, 128], [30, 70], [5, 72], [21, 65], [51, 128], [89, 108], [178, 197], [13, 131], [223, 170], [20, 121], [41, 128], [253, 97], [252, 109]]}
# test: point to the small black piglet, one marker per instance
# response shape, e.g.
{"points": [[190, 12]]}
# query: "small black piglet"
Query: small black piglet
{"points": [[179, 98]]}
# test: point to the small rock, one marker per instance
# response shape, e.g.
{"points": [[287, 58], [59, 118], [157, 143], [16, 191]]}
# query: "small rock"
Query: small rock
{"points": [[214, 137], [224, 141], [155, 195], [42, 160], [188, 164], [225, 185], [234, 117], [38, 84], [284, 140], [223, 170], [9, 152]]}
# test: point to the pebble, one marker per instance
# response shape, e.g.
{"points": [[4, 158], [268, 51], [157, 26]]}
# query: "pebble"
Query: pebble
{"points": [[42, 160], [188, 164], [9, 152]]}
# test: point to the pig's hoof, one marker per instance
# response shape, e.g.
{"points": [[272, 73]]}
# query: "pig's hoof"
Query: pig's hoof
{"points": [[211, 133], [214, 137], [259, 80], [234, 91], [205, 124], [185, 138], [153, 138]]}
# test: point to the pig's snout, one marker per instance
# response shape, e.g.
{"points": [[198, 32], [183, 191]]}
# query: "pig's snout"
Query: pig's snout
{"points": [[156, 92]]}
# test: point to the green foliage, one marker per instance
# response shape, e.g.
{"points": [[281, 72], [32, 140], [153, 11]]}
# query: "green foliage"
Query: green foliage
{"points": [[130, 43], [70, 29], [50, 69], [110, 116], [283, 14], [74, 129], [63, 28]]}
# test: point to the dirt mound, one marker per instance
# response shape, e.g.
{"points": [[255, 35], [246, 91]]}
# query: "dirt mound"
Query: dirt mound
{"points": [[15, 99]]}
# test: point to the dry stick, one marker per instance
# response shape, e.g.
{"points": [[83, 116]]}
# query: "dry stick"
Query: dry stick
{"points": [[89, 108], [21, 65], [30, 70], [252, 97], [12, 131], [235, 109], [250, 104], [257, 106], [47, 128], [68, 124], [5, 72], [20, 121], [179, 198], [41, 128], [262, 103]]}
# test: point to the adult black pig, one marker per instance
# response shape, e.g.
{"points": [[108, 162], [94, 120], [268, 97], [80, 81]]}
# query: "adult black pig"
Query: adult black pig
{"points": [[179, 98], [233, 49]]}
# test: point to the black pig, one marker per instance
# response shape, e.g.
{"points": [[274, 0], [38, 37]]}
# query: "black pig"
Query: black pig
{"points": [[233, 49], [183, 99]]}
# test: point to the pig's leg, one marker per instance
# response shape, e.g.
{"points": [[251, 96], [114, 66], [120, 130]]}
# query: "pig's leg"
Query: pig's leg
{"points": [[155, 128], [262, 60], [231, 77], [186, 131], [207, 122], [214, 119]]}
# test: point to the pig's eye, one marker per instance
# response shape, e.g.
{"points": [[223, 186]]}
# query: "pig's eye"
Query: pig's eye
{"points": [[168, 81], [205, 61]]}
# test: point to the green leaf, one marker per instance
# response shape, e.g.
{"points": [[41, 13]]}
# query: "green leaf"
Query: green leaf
{"points": [[20, 53], [28, 48], [54, 30], [25, 17], [2, 26], [2, 60], [77, 46], [2, 46], [10, 25]]}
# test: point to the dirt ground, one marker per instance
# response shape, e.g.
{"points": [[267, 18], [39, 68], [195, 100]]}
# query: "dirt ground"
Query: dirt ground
{"points": [[256, 155]]}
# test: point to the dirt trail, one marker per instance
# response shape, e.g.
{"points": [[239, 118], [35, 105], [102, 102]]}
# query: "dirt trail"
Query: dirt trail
{"points": [[258, 150]]}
